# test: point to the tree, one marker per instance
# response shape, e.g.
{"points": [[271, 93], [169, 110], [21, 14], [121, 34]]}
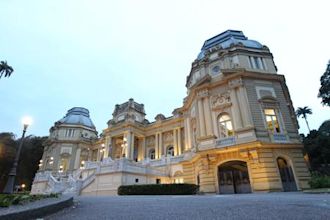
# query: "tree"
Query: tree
{"points": [[304, 112], [324, 92], [7, 155], [28, 164], [317, 146], [5, 69]]}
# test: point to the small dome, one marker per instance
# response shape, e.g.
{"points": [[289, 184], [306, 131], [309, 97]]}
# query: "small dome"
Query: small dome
{"points": [[226, 39], [78, 116]]}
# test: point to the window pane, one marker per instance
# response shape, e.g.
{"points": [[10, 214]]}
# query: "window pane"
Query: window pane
{"points": [[224, 118], [269, 112], [268, 118], [229, 126]]}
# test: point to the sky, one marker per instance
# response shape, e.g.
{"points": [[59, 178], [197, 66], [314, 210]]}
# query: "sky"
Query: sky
{"points": [[95, 54]]}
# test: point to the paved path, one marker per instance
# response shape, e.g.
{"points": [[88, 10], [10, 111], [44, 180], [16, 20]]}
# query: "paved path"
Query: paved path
{"points": [[248, 206]]}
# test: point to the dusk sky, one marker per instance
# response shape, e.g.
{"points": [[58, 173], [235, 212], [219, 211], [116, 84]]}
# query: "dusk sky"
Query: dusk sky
{"points": [[96, 54]]}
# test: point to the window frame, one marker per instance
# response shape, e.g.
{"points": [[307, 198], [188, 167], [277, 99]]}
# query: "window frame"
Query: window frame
{"points": [[152, 152], [272, 116], [225, 124]]}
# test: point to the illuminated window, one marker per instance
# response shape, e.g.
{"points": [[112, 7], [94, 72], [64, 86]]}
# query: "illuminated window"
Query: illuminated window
{"points": [[225, 126], [152, 154], [178, 180], [272, 120], [170, 151]]}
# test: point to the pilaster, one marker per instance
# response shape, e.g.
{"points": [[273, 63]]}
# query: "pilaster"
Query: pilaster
{"points": [[179, 142], [156, 145], [207, 114], [201, 117], [175, 142]]}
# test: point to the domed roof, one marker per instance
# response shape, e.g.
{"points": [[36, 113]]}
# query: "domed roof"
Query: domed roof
{"points": [[77, 116], [226, 39]]}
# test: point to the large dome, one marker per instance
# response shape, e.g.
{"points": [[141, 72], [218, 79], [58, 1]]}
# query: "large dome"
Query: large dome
{"points": [[77, 116], [226, 39]]}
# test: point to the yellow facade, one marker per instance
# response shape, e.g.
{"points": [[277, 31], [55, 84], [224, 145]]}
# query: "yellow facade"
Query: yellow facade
{"points": [[236, 131]]}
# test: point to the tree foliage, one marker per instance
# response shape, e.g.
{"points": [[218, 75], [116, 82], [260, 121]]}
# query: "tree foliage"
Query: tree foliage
{"points": [[5, 69], [29, 159], [317, 145], [324, 92]]}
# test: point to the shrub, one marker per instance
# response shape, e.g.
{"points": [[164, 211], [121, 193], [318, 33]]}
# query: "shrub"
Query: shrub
{"points": [[319, 181], [14, 199], [159, 189]]}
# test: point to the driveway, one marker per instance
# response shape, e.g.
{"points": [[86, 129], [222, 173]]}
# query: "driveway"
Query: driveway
{"points": [[244, 206]]}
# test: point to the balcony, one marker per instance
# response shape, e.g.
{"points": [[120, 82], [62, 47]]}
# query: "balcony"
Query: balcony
{"points": [[224, 142], [279, 138]]}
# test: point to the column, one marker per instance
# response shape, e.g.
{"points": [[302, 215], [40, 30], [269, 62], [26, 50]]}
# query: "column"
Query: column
{"points": [[175, 143], [57, 160], [77, 159], [110, 148], [236, 118], [107, 146], [128, 144], [186, 134], [143, 154], [160, 151], [132, 146], [156, 146], [207, 114], [201, 118], [215, 125], [189, 137], [244, 106], [72, 158], [179, 141]]}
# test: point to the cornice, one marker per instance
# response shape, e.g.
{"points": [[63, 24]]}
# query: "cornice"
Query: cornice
{"points": [[229, 75]]}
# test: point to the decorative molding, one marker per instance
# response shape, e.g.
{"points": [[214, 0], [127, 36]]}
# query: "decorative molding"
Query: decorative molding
{"points": [[203, 93], [235, 83], [221, 101], [150, 140], [168, 136]]}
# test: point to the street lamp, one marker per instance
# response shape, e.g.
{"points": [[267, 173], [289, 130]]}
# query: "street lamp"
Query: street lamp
{"points": [[12, 174]]}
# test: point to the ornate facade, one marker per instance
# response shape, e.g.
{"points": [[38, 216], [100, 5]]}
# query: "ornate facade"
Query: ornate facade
{"points": [[236, 132]]}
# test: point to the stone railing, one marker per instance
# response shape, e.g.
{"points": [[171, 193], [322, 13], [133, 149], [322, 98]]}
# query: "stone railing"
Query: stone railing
{"points": [[77, 180], [163, 161]]}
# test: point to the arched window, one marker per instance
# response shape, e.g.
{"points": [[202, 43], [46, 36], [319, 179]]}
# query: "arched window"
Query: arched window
{"points": [[170, 151], [225, 126], [152, 154]]}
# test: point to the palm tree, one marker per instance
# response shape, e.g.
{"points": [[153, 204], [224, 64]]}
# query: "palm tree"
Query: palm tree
{"points": [[304, 112], [5, 69]]}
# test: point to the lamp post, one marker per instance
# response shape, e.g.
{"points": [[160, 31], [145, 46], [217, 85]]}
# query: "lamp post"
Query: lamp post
{"points": [[12, 174]]}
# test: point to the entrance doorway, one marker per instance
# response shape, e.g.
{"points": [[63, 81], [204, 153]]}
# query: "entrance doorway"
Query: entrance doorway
{"points": [[233, 177], [287, 177]]}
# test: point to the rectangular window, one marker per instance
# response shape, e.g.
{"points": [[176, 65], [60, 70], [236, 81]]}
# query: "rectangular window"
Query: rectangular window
{"points": [[272, 121], [257, 63], [178, 180], [263, 63], [157, 181], [69, 132]]}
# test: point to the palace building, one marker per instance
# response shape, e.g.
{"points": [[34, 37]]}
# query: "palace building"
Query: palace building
{"points": [[236, 132]]}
